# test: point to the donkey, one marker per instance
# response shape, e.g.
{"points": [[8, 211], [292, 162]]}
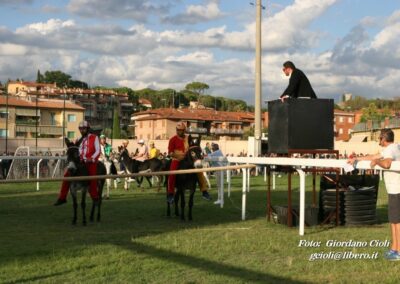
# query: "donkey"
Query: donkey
{"points": [[192, 160], [78, 168], [133, 166]]}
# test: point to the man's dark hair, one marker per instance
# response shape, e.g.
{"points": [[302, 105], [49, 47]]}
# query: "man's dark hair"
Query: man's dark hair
{"points": [[289, 64], [387, 134]]}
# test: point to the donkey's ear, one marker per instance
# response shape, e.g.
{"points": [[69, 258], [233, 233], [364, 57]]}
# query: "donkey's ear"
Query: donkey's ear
{"points": [[67, 142], [199, 140], [190, 139]]}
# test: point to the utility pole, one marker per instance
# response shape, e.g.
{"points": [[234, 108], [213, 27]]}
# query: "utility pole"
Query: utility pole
{"points": [[257, 102]]}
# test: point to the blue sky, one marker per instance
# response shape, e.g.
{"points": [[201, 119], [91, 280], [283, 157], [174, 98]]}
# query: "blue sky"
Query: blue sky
{"points": [[344, 46]]}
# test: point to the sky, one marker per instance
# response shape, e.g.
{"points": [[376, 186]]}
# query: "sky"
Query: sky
{"points": [[343, 46]]}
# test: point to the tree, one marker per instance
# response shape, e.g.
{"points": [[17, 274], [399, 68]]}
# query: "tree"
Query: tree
{"points": [[116, 130], [39, 77], [58, 77], [197, 88]]}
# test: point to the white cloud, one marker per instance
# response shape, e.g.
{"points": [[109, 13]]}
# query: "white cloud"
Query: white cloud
{"points": [[196, 14], [51, 26]]}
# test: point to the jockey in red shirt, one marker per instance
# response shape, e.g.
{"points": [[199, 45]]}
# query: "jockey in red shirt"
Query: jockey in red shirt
{"points": [[89, 150], [177, 147]]}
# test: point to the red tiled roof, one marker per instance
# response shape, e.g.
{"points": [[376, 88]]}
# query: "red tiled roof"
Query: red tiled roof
{"points": [[144, 102], [53, 104], [33, 84], [194, 114]]}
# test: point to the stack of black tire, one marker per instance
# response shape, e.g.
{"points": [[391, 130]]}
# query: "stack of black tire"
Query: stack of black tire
{"points": [[357, 201], [360, 207]]}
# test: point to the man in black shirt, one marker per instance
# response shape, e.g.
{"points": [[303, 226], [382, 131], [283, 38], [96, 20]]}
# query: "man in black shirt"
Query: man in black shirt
{"points": [[299, 86]]}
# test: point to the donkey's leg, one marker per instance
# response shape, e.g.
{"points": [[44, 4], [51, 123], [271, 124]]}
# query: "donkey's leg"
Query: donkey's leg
{"points": [[191, 198], [176, 201], [83, 206], [183, 203], [75, 206], [149, 181]]}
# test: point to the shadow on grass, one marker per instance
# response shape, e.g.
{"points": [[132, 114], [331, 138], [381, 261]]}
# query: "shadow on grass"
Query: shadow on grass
{"points": [[44, 277], [213, 267]]}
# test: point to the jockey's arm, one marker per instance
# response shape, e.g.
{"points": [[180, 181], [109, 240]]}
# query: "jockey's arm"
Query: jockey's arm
{"points": [[97, 151]]}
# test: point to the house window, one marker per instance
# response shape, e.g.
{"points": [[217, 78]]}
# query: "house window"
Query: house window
{"points": [[348, 131], [149, 123], [3, 114], [163, 123], [155, 123], [340, 130], [341, 119], [71, 134], [350, 120], [3, 133], [71, 117], [141, 124], [52, 118], [148, 136]]}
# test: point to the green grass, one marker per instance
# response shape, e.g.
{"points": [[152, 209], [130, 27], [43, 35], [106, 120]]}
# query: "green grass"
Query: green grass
{"points": [[137, 243]]}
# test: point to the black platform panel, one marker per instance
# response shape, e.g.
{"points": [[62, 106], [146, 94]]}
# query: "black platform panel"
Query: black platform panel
{"points": [[300, 124]]}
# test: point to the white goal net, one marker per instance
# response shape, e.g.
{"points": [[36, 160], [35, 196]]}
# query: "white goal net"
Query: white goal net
{"points": [[31, 162]]}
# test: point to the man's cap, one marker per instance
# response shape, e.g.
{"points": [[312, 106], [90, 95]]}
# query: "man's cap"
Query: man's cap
{"points": [[141, 141], [180, 125], [84, 124], [102, 136]]}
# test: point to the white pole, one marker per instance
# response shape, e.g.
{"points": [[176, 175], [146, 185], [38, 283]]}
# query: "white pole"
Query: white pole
{"points": [[244, 182], [38, 173], [248, 180], [302, 200], [228, 176], [222, 189], [273, 180], [265, 174]]}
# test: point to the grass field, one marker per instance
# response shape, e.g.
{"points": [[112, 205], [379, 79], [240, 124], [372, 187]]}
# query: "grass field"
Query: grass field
{"points": [[137, 243]]}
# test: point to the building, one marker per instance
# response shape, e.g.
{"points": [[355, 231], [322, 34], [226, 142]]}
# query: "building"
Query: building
{"points": [[99, 104], [26, 118], [161, 123], [343, 124]]}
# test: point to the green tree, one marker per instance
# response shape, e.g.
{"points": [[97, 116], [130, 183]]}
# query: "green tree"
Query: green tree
{"points": [[116, 130], [39, 77], [370, 113], [58, 77]]}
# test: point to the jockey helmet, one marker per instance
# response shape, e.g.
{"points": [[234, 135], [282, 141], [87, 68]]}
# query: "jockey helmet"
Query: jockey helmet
{"points": [[180, 126], [84, 124]]}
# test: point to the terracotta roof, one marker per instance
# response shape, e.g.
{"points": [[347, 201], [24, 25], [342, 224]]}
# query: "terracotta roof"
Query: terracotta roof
{"points": [[144, 102], [33, 84], [194, 114], [53, 104]]}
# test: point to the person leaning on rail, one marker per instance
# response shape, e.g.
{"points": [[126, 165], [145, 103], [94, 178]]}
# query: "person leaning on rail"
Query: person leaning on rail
{"points": [[89, 151], [390, 153], [178, 145]]}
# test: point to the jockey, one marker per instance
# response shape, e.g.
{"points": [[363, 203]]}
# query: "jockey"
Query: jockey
{"points": [[105, 148], [154, 152], [177, 147], [89, 151], [143, 152]]}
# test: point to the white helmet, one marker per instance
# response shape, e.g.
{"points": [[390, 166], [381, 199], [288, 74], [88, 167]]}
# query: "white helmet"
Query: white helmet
{"points": [[84, 124], [141, 141]]}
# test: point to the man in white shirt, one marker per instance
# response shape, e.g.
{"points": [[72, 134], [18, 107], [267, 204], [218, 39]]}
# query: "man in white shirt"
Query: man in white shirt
{"points": [[143, 152], [390, 153]]}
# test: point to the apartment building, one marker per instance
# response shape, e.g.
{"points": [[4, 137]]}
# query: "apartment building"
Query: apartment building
{"points": [[161, 123], [26, 118]]}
